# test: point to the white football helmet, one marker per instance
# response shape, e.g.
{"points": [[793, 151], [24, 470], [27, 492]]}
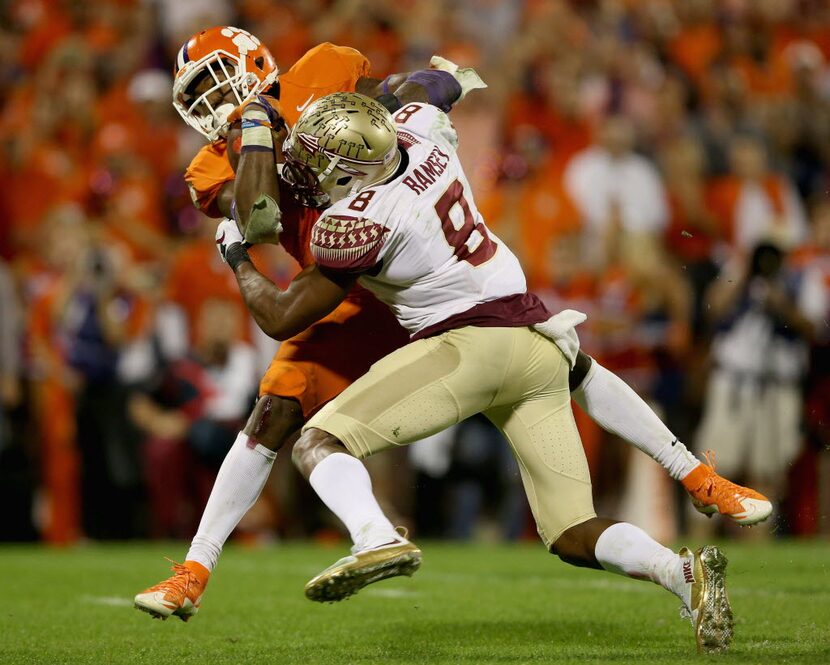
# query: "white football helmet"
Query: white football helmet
{"points": [[234, 61]]}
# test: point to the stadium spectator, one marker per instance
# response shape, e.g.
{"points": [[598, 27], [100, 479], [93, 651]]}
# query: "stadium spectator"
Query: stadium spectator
{"points": [[99, 314], [11, 388], [189, 413], [693, 233], [764, 318], [752, 202], [618, 192], [16, 481]]}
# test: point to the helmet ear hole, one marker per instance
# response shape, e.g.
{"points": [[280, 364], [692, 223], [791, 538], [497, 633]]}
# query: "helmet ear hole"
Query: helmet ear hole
{"points": [[344, 180], [259, 62]]}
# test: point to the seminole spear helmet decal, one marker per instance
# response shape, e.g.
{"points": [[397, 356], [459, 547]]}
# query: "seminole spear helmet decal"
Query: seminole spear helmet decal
{"points": [[339, 145]]}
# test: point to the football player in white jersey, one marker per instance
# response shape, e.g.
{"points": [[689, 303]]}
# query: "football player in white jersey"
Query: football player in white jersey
{"points": [[401, 219]]}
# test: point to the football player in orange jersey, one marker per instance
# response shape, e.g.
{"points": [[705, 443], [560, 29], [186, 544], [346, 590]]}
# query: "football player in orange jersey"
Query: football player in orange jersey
{"points": [[225, 76]]}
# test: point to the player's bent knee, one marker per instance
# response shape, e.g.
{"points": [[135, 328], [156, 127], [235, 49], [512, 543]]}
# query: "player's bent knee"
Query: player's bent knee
{"points": [[312, 447], [274, 420], [577, 545]]}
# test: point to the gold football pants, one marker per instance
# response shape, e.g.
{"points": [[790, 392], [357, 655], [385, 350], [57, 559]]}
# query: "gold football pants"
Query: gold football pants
{"points": [[515, 376]]}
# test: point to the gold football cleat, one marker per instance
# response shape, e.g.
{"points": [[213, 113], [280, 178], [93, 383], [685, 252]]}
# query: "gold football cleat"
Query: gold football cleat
{"points": [[710, 611], [351, 573]]}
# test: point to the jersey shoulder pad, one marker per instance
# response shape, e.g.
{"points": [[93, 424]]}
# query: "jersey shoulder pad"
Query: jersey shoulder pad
{"points": [[327, 64], [347, 243], [426, 121]]}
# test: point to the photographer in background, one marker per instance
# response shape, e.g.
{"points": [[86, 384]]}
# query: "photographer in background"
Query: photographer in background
{"points": [[763, 318], [99, 316]]}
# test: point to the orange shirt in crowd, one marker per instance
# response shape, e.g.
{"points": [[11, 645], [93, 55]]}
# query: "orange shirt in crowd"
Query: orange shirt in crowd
{"points": [[280, 25], [196, 275], [543, 212], [694, 49], [684, 240], [565, 136]]}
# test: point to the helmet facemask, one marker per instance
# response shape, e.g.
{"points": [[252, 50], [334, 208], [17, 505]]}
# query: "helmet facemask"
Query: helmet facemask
{"points": [[227, 74], [304, 183]]}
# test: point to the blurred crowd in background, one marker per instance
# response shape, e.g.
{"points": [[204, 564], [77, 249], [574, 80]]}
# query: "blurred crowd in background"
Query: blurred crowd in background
{"points": [[662, 165]]}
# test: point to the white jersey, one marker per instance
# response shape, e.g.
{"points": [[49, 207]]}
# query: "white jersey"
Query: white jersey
{"points": [[420, 243]]}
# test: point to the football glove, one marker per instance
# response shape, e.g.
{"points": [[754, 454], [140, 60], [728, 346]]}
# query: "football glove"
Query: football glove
{"points": [[228, 235], [467, 77]]}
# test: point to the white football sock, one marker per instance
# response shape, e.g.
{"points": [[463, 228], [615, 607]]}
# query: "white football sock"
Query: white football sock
{"points": [[615, 407], [343, 484], [628, 550], [238, 484]]}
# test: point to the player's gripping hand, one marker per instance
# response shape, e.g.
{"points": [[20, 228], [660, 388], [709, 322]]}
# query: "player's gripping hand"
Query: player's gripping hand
{"points": [[227, 236]]}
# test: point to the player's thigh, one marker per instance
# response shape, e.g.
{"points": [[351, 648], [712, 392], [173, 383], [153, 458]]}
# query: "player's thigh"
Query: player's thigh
{"points": [[407, 396], [544, 438]]}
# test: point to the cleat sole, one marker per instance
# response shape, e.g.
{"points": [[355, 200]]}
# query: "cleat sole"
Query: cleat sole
{"points": [[183, 613], [153, 613], [341, 583], [715, 627], [759, 512]]}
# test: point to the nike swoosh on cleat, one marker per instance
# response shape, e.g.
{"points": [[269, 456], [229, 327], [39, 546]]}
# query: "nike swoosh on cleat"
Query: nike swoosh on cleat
{"points": [[302, 107]]}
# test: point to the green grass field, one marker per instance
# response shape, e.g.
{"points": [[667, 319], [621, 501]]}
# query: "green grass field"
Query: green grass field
{"points": [[468, 604]]}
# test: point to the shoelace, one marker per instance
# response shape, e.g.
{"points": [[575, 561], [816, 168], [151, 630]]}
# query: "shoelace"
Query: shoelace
{"points": [[179, 583], [709, 482], [710, 458]]}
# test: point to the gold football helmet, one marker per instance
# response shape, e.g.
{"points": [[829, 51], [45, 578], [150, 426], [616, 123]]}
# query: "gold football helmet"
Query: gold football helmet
{"points": [[341, 144]]}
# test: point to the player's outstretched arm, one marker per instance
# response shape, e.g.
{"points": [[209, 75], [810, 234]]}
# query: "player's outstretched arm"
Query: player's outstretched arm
{"points": [[442, 85], [280, 314]]}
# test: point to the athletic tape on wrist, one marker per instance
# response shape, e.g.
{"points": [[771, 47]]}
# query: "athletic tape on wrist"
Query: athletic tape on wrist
{"points": [[441, 87], [258, 137], [251, 112], [237, 254], [256, 130]]}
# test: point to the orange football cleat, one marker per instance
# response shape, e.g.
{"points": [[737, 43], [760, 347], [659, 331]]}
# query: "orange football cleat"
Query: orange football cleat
{"points": [[179, 594], [712, 493]]}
